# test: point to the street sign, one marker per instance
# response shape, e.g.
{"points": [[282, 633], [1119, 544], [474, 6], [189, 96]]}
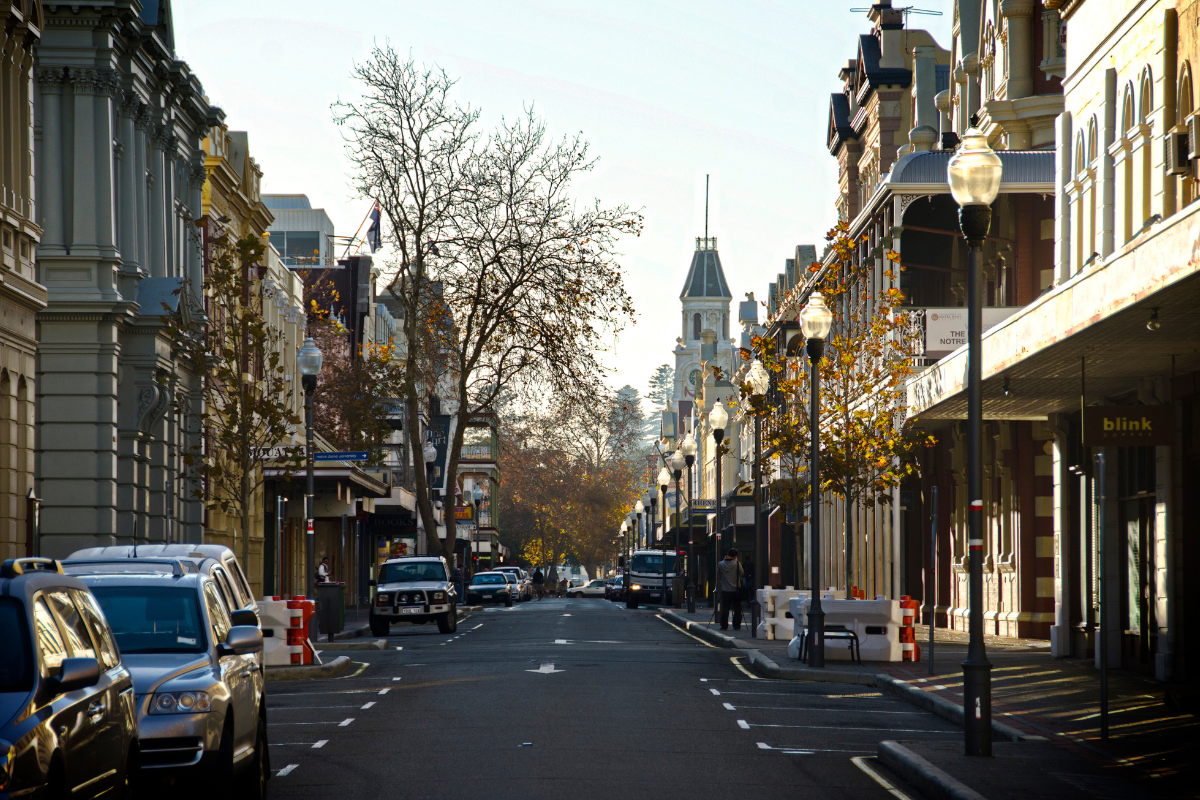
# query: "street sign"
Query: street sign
{"points": [[348, 455]]}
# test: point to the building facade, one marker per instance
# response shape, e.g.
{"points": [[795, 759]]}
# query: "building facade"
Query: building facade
{"points": [[21, 295], [119, 121]]}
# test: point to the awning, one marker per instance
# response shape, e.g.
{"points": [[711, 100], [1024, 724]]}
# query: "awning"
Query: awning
{"points": [[370, 486], [1087, 333], [925, 173]]}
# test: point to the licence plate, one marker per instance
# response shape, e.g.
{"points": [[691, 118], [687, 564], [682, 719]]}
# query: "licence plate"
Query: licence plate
{"points": [[412, 610], [654, 594]]}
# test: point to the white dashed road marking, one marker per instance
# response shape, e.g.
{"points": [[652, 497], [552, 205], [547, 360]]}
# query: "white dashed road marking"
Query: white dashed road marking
{"points": [[286, 770], [729, 707], [321, 743], [368, 705], [743, 724], [384, 691], [345, 722]]}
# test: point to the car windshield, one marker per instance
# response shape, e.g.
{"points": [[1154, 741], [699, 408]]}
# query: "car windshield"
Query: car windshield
{"points": [[596, 583], [653, 562], [16, 661], [412, 571], [153, 619], [480, 580]]}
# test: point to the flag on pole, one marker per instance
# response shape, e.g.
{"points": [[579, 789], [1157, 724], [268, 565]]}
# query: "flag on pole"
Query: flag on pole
{"points": [[373, 232]]}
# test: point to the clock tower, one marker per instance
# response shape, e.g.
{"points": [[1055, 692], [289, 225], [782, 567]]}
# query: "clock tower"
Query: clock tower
{"points": [[705, 301]]}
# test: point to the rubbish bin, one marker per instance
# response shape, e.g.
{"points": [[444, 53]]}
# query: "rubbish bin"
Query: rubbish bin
{"points": [[331, 608]]}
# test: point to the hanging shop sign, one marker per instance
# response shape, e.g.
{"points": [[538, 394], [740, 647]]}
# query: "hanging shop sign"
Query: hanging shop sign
{"points": [[1128, 426]]}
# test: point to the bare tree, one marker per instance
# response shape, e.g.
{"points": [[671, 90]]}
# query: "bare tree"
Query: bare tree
{"points": [[509, 283]]}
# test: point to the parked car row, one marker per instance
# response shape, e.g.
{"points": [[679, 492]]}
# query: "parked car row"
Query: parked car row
{"points": [[119, 667]]}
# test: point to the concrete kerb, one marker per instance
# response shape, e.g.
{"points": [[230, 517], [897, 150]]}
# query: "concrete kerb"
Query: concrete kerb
{"points": [[769, 669], [333, 669], [939, 705], [378, 644], [929, 779]]}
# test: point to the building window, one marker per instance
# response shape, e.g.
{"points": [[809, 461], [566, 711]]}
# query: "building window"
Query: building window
{"points": [[696, 326]]}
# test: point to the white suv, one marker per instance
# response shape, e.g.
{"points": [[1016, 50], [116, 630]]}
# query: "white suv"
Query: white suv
{"points": [[413, 589]]}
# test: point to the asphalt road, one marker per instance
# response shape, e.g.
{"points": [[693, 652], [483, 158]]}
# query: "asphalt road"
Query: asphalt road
{"points": [[575, 699]]}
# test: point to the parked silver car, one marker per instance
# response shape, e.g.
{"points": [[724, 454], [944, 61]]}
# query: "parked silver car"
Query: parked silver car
{"points": [[200, 694]]}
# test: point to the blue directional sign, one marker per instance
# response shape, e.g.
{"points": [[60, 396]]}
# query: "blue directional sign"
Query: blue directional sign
{"points": [[349, 455]]}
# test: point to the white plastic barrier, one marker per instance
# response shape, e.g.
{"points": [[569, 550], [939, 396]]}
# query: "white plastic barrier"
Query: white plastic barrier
{"points": [[276, 618], [876, 622], [776, 620]]}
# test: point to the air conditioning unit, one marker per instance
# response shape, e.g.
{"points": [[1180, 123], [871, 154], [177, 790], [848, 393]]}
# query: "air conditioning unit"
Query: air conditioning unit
{"points": [[1193, 134], [1176, 157]]}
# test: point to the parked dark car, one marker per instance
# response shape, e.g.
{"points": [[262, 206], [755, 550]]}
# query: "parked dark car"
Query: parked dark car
{"points": [[201, 697], [490, 587], [68, 723], [615, 588]]}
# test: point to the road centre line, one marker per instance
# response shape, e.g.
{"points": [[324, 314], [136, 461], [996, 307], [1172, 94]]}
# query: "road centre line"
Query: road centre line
{"points": [[861, 763]]}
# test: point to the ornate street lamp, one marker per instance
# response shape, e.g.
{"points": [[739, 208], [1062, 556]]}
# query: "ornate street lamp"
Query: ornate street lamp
{"points": [[638, 508], [974, 176], [759, 382], [689, 456], [815, 321], [718, 418], [308, 362], [677, 464], [664, 480]]}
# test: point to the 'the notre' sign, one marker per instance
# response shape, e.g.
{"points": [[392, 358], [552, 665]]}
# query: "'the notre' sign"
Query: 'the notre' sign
{"points": [[1128, 425]]}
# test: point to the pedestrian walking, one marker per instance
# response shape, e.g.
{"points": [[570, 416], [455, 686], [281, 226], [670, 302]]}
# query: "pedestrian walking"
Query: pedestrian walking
{"points": [[539, 582], [729, 582]]}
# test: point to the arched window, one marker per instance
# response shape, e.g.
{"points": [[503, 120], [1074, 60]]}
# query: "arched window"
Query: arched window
{"points": [[1080, 150], [1127, 110], [1145, 106], [1124, 174], [1091, 151], [695, 326], [1187, 107]]}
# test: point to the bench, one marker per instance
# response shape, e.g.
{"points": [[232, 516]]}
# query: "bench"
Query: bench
{"points": [[835, 632]]}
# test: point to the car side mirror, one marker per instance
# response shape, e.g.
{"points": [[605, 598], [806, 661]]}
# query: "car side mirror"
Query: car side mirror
{"points": [[78, 673], [245, 616], [372, 582], [242, 639]]}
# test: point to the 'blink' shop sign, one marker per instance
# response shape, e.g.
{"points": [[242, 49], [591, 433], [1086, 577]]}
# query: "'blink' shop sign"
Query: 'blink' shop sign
{"points": [[1126, 426]]}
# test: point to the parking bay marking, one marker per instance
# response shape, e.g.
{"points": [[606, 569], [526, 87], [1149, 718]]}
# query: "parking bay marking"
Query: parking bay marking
{"points": [[860, 762], [368, 705], [747, 726], [818, 708], [286, 770], [345, 722]]}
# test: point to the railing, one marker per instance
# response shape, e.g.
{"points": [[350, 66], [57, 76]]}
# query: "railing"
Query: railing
{"points": [[477, 452]]}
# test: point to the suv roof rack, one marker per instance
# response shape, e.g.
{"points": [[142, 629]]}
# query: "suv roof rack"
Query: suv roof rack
{"points": [[178, 567], [13, 567]]}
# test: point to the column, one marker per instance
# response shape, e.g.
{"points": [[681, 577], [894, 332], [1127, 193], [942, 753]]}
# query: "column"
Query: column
{"points": [[1107, 173], [1060, 632], [51, 160], [102, 113], [196, 177], [1062, 203], [140, 189], [83, 207], [128, 185], [1122, 186], [156, 258], [1019, 14]]}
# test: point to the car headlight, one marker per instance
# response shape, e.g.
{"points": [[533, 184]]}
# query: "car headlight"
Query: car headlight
{"points": [[180, 703], [637, 587], [383, 599], [439, 595], [8, 755]]}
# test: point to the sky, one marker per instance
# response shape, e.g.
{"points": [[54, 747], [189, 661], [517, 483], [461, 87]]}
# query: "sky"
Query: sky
{"points": [[666, 92]]}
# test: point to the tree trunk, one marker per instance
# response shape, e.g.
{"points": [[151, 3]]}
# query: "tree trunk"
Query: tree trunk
{"points": [[849, 525]]}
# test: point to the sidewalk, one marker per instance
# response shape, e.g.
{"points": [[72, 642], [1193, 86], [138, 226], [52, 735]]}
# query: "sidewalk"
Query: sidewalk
{"points": [[1041, 697]]}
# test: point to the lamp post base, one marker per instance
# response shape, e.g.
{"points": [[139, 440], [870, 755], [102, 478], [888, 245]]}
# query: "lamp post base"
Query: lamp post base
{"points": [[977, 707], [816, 637]]}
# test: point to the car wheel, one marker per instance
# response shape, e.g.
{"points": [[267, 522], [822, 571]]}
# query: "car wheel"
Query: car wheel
{"points": [[129, 779], [222, 777], [254, 780], [380, 627], [448, 622], [631, 603], [508, 602]]}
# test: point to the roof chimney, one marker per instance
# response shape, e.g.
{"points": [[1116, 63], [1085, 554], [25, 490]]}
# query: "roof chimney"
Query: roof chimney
{"points": [[889, 24], [924, 133]]}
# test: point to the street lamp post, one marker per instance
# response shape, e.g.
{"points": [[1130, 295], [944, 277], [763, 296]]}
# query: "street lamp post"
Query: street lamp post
{"points": [[974, 175], [689, 456], [718, 418], [638, 508], [815, 321], [429, 453], [308, 362], [677, 464], [664, 480], [759, 382]]}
